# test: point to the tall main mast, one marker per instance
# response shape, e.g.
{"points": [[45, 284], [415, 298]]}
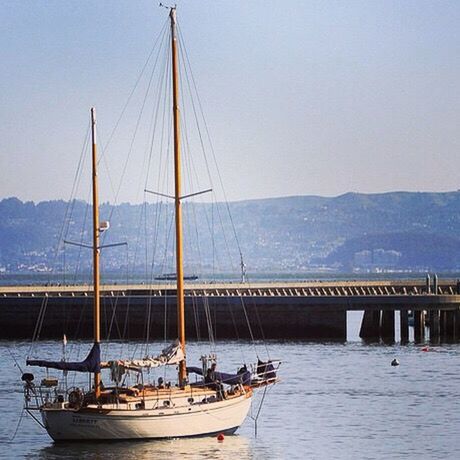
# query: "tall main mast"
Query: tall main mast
{"points": [[177, 197], [96, 270]]}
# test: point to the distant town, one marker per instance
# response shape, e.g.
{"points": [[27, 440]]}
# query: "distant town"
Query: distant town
{"points": [[399, 232]]}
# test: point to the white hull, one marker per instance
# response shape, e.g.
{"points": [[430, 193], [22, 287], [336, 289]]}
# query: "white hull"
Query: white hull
{"points": [[105, 424]]}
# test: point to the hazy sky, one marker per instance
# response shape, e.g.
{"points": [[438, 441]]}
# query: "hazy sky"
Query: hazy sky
{"points": [[301, 97]]}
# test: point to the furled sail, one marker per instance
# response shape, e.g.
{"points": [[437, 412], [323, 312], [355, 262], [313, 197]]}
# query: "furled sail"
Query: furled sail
{"points": [[171, 355], [92, 363]]}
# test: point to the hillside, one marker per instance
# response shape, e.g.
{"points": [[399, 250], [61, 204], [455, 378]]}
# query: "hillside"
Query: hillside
{"points": [[360, 232]]}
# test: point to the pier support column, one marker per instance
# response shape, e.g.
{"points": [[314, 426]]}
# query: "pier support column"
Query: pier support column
{"points": [[457, 325], [443, 325], [387, 328], [434, 326], [370, 326], [450, 325], [404, 325], [419, 325]]}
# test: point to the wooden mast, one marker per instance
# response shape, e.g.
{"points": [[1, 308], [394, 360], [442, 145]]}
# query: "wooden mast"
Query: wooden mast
{"points": [[177, 196], [96, 271]]}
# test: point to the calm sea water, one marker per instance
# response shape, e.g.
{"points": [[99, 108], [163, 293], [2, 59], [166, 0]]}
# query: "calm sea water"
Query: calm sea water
{"points": [[335, 401]]}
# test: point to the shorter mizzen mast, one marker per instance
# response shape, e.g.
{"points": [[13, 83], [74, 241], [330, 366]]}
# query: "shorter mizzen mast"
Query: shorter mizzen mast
{"points": [[96, 251], [177, 199]]}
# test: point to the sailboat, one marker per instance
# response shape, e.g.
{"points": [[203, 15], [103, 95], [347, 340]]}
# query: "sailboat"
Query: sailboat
{"points": [[217, 404]]}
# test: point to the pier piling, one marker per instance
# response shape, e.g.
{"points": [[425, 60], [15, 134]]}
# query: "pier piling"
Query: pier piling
{"points": [[443, 325], [404, 325], [419, 326], [434, 326], [370, 326], [450, 326], [387, 329]]}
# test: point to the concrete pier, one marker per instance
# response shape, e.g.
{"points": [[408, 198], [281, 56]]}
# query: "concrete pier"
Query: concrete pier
{"points": [[126, 317], [308, 310]]}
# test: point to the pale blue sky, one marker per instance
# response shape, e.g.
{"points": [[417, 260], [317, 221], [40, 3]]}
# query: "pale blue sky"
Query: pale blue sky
{"points": [[302, 97]]}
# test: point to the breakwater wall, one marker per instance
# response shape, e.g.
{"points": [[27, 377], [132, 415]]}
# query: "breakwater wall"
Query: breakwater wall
{"points": [[138, 317], [310, 310]]}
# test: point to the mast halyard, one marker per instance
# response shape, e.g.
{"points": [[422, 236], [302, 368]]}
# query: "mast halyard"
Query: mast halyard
{"points": [[177, 197], [96, 232]]}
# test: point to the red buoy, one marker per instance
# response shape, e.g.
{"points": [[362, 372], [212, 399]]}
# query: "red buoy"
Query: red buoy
{"points": [[425, 349], [220, 437]]}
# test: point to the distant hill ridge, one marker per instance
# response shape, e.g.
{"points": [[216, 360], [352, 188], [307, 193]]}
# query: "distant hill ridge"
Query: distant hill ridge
{"points": [[354, 231]]}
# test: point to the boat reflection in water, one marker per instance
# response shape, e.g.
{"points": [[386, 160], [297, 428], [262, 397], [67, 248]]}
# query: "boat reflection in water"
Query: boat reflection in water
{"points": [[236, 446]]}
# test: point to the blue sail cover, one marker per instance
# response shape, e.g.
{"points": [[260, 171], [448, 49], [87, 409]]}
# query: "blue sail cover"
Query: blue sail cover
{"points": [[92, 363], [229, 379]]}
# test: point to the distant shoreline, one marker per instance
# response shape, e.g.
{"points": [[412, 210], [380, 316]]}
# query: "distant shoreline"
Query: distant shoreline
{"points": [[9, 279]]}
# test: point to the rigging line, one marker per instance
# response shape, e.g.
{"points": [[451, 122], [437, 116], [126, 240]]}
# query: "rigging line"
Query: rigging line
{"points": [[248, 323], [148, 325], [157, 227], [165, 318], [125, 326], [169, 230], [166, 126], [159, 203], [232, 315], [113, 320], [188, 158], [15, 360], [160, 34], [125, 166], [156, 111], [146, 246], [209, 323], [78, 265], [153, 125], [77, 176], [148, 152], [186, 216], [128, 302], [262, 333], [138, 121], [80, 320], [259, 409], [213, 243], [185, 59], [142, 211], [196, 318], [12, 438], [43, 306], [155, 117], [209, 139], [224, 234]]}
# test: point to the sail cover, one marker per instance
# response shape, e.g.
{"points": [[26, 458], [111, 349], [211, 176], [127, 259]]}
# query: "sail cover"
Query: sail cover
{"points": [[171, 355], [92, 362], [243, 376]]}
